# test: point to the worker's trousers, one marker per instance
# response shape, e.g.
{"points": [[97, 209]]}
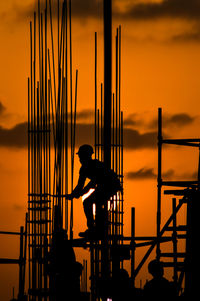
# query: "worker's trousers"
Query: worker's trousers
{"points": [[96, 219]]}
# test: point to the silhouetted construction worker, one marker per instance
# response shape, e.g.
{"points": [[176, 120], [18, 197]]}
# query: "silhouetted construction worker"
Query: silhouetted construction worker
{"points": [[158, 287], [104, 183]]}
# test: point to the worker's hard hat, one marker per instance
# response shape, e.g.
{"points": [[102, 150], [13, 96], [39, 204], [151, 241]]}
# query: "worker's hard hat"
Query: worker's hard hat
{"points": [[85, 149]]}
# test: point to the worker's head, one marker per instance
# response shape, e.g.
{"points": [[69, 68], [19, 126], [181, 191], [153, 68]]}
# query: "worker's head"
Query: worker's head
{"points": [[85, 152], [155, 268]]}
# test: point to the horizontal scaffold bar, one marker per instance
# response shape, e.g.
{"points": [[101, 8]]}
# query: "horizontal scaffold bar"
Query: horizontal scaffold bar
{"points": [[172, 255], [180, 183], [172, 264], [96, 243], [9, 261], [10, 233], [178, 192], [183, 142], [178, 228]]}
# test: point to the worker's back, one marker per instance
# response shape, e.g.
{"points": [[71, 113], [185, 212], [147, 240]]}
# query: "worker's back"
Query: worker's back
{"points": [[96, 171]]}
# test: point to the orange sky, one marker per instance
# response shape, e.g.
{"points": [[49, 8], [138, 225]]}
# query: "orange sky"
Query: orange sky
{"points": [[160, 68]]}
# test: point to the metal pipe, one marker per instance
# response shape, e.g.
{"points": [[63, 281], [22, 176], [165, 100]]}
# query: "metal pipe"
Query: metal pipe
{"points": [[107, 80], [159, 179], [95, 92]]}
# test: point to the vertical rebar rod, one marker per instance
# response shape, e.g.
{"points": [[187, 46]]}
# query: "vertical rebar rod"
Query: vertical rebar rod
{"points": [[107, 80], [58, 16], [73, 150], [98, 136], [113, 131], [71, 107], [95, 97], [119, 99], [116, 105], [66, 120], [52, 45], [101, 122], [122, 168]]}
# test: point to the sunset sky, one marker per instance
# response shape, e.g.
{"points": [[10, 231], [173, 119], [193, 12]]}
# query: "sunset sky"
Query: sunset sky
{"points": [[160, 68]]}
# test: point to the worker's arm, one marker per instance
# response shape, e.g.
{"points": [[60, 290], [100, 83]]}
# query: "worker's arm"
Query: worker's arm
{"points": [[90, 185], [77, 192]]}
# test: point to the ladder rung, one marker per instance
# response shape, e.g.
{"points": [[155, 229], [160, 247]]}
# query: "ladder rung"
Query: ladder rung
{"points": [[40, 201], [39, 208], [39, 222], [41, 234], [39, 292], [39, 245]]}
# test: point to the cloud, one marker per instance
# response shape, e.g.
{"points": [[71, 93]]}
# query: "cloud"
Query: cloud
{"points": [[86, 114], [169, 120], [15, 137], [18, 207], [2, 108], [184, 9], [142, 174], [147, 174], [186, 37], [82, 9], [178, 120], [133, 139]]}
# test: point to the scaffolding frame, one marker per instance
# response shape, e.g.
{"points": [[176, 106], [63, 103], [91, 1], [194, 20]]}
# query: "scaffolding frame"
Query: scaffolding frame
{"points": [[187, 192]]}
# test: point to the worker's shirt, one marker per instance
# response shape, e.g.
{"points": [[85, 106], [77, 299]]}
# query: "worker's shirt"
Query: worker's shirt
{"points": [[100, 176]]}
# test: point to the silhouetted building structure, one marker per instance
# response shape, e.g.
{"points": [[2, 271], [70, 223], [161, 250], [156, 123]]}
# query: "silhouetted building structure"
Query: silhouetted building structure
{"points": [[54, 273]]}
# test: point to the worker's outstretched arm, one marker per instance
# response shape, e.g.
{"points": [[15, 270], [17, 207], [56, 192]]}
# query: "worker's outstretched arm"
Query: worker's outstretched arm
{"points": [[77, 192]]}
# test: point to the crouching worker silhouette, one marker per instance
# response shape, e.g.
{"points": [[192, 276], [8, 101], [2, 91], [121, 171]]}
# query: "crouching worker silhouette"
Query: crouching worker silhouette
{"points": [[104, 183]]}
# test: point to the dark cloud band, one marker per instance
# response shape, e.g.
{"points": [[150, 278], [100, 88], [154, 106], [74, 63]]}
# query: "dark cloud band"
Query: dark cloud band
{"points": [[17, 136]]}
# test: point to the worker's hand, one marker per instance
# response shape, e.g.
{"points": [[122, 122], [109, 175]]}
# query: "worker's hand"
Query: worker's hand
{"points": [[68, 196]]}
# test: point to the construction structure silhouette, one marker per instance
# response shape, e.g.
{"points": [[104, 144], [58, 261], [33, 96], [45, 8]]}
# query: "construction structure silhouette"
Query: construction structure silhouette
{"points": [[52, 268]]}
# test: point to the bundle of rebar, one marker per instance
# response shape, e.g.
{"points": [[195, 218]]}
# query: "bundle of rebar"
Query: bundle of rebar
{"points": [[51, 136]]}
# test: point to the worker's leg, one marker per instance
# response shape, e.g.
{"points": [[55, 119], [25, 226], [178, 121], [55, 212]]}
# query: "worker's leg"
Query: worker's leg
{"points": [[100, 218], [87, 205], [102, 197]]}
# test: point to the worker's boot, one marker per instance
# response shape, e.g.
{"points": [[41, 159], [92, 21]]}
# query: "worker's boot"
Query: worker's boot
{"points": [[88, 234]]}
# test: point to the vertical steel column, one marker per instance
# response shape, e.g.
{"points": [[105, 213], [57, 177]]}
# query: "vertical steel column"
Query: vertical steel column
{"points": [[132, 243], [175, 240], [107, 80], [159, 179]]}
